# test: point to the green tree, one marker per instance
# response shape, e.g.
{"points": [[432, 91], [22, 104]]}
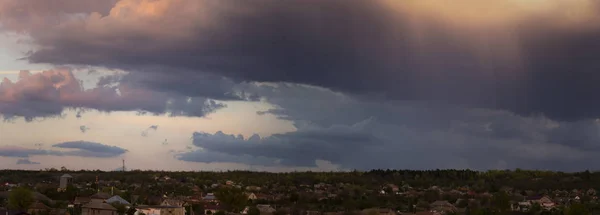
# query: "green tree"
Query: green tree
{"points": [[121, 209], [501, 202], [577, 209], [20, 198], [232, 198], [535, 208]]}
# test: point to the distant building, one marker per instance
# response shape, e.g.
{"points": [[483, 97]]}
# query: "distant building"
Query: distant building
{"points": [[210, 197], [65, 180], [160, 210], [98, 208]]}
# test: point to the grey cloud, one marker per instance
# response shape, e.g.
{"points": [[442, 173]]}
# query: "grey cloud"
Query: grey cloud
{"points": [[48, 93], [414, 135], [90, 149], [26, 162], [358, 47], [217, 157], [75, 148]]}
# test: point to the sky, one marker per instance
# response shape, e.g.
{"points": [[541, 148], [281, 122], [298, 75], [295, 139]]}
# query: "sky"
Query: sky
{"points": [[296, 85]]}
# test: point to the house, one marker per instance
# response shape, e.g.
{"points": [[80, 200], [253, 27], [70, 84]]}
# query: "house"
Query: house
{"points": [[38, 208], [173, 202], [543, 201], [210, 197], [265, 209], [442, 207], [117, 199], [160, 210], [251, 196], [98, 207], [379, 211]]}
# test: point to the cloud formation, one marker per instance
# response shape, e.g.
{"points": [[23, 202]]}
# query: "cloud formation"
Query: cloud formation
{"points": [[413, 135], [83, 128], [26, 161], [411, 51], [48, 93], [151, 128], [90, 149], [74, 148]]}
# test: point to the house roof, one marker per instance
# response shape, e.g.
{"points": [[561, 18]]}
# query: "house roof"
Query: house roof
{"points": [[117, 199], [66, 176], [265, 208], [100, 195], [155, 206], [81, 200], [441, 204], [209, 196], [39, 206], [174, 202], [99, 205]]}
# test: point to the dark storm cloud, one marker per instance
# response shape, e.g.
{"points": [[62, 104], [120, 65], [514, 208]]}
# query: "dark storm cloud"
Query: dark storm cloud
{"points": [[416, 135], [76, 148], [26, 161], [359, 47]]}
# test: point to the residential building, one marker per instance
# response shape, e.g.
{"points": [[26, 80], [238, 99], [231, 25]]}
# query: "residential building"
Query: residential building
{"points": [[160, 210], [442, 207], [210, 197], [98, 207]]}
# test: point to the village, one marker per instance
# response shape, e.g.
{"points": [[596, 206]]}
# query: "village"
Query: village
{"points": [[114, 197]]}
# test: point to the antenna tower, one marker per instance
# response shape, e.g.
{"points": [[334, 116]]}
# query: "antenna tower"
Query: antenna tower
{"points": [[123, 165]]}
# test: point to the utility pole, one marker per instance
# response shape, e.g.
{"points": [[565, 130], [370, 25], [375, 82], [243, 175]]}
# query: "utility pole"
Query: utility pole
{"points": [[123, 165]]}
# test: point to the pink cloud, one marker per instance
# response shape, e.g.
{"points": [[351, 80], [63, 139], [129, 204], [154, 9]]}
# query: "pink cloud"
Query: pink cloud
{"points": [[48, 93]]}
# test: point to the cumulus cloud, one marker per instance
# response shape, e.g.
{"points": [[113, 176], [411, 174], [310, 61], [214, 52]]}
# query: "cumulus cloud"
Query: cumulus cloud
{"points": [[423, 50], [415, 135], [26, 161], [74, 148], [50, 92]]}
